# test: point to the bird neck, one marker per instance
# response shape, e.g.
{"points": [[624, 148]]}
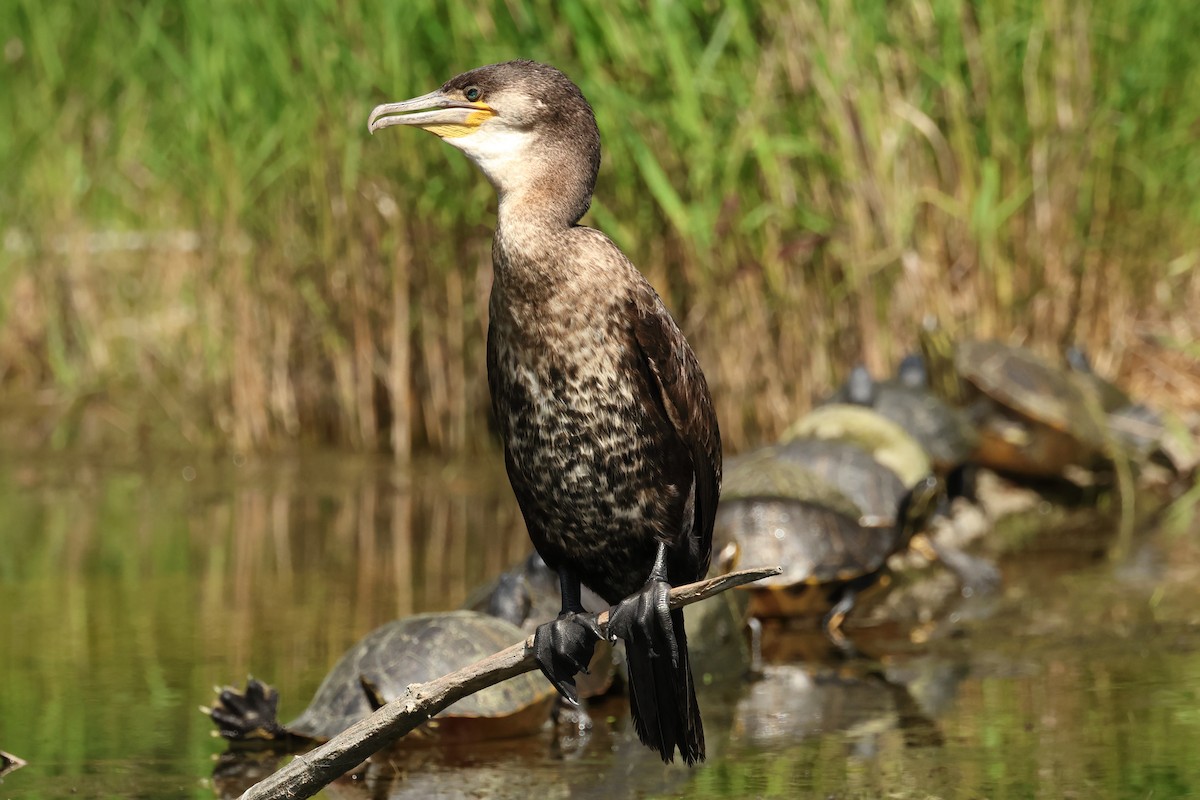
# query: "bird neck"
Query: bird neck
{"points": [[546, 202], [543, 182], [529, 233]]}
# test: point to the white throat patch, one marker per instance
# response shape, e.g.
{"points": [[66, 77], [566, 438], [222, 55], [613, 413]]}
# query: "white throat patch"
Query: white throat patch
{"points": [[499, 152]]}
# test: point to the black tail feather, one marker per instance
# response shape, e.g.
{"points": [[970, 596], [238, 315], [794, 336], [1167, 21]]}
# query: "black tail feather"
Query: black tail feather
{"points": [[662, 697]]}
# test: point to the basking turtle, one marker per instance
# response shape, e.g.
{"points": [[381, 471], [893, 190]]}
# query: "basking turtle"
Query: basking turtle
{"points": [[1034, 420], [944, 432], [887, 442], [829, 550], [379, 667], [878, 492]]}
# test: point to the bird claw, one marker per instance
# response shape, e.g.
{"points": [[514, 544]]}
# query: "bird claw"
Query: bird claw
{"points": [[645, 618], [563, 648]]}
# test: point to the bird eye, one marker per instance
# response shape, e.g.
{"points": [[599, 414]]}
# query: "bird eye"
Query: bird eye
{"points": [[472, 93]]}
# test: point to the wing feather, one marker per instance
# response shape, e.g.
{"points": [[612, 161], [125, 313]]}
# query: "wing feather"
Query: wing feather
{"points": [[685, 397]]}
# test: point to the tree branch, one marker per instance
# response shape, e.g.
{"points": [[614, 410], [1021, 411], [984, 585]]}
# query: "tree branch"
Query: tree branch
{"points": [[306, 774]]}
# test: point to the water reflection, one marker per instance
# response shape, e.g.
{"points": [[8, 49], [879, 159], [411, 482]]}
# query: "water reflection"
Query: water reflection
{"points": [[128, 593], [793, 702], [608, 762]]}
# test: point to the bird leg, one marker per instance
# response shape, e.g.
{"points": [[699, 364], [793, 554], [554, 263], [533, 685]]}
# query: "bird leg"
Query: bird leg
{"points": [[563, 647], [646, 613]]}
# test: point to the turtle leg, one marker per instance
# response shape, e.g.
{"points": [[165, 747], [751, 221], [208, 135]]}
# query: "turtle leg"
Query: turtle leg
{"points": [[248, 715], [833, 620], [564, 646], [375, 697]]}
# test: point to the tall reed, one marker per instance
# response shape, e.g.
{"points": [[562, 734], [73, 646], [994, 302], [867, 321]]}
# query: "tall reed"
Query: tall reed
{"points": [[203, 246]]}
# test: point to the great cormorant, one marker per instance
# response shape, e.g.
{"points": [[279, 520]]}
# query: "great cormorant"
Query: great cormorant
{"points": [[610, 438]]}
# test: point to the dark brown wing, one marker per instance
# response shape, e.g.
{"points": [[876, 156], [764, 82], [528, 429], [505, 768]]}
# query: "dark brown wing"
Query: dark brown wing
{"points": [[684, 395]]}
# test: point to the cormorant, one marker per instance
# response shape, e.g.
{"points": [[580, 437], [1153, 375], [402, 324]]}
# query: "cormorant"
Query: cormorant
{"points": [[610, 438]]}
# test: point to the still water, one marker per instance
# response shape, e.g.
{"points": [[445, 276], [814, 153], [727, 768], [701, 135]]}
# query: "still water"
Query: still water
{"points": [[129, 592]]}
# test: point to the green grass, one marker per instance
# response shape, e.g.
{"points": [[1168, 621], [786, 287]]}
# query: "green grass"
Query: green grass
{"points": [[803, 182]]}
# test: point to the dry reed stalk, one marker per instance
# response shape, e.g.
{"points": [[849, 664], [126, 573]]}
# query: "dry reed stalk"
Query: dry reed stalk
{"points": [[400, 364], [456, 367], [364, 364]]}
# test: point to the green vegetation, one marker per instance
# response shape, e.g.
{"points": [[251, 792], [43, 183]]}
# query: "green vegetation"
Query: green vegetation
{"points": [[202, 244]]}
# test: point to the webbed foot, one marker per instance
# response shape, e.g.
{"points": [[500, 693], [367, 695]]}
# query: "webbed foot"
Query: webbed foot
{"points": [[644, 619], [246, 716], [563, 648]]}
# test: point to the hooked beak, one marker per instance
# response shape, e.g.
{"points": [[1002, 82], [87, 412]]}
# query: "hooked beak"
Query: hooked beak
{"points": [[435, 112]]}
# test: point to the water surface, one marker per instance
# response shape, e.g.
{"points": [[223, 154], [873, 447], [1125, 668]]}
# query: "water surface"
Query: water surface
{"points": [[130, 591]]}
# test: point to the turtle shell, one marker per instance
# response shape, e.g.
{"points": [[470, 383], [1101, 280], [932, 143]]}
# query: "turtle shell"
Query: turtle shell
{"points": [[768, 473], [421, 648], [874, 489], [814, 544], [1042, 423], [943, 432], [887, 442], [1021, 380]]}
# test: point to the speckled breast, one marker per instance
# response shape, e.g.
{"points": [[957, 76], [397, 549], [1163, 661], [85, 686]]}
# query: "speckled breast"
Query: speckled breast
{"points": [[585, 450]]}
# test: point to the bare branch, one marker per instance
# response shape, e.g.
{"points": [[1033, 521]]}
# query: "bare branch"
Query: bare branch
{"points": [[9, 763], [306, 774]]}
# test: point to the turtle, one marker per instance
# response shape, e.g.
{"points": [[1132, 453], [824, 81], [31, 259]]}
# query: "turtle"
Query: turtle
{"points": [[877, 492], [1033, 418], [942, 430], [887, 442], [770, 472], [378, 668], [527, 595], [830, 552]]}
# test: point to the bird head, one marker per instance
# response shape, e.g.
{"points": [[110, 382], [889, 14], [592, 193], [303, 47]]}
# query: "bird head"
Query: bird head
{"points": [[525, 124]]}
